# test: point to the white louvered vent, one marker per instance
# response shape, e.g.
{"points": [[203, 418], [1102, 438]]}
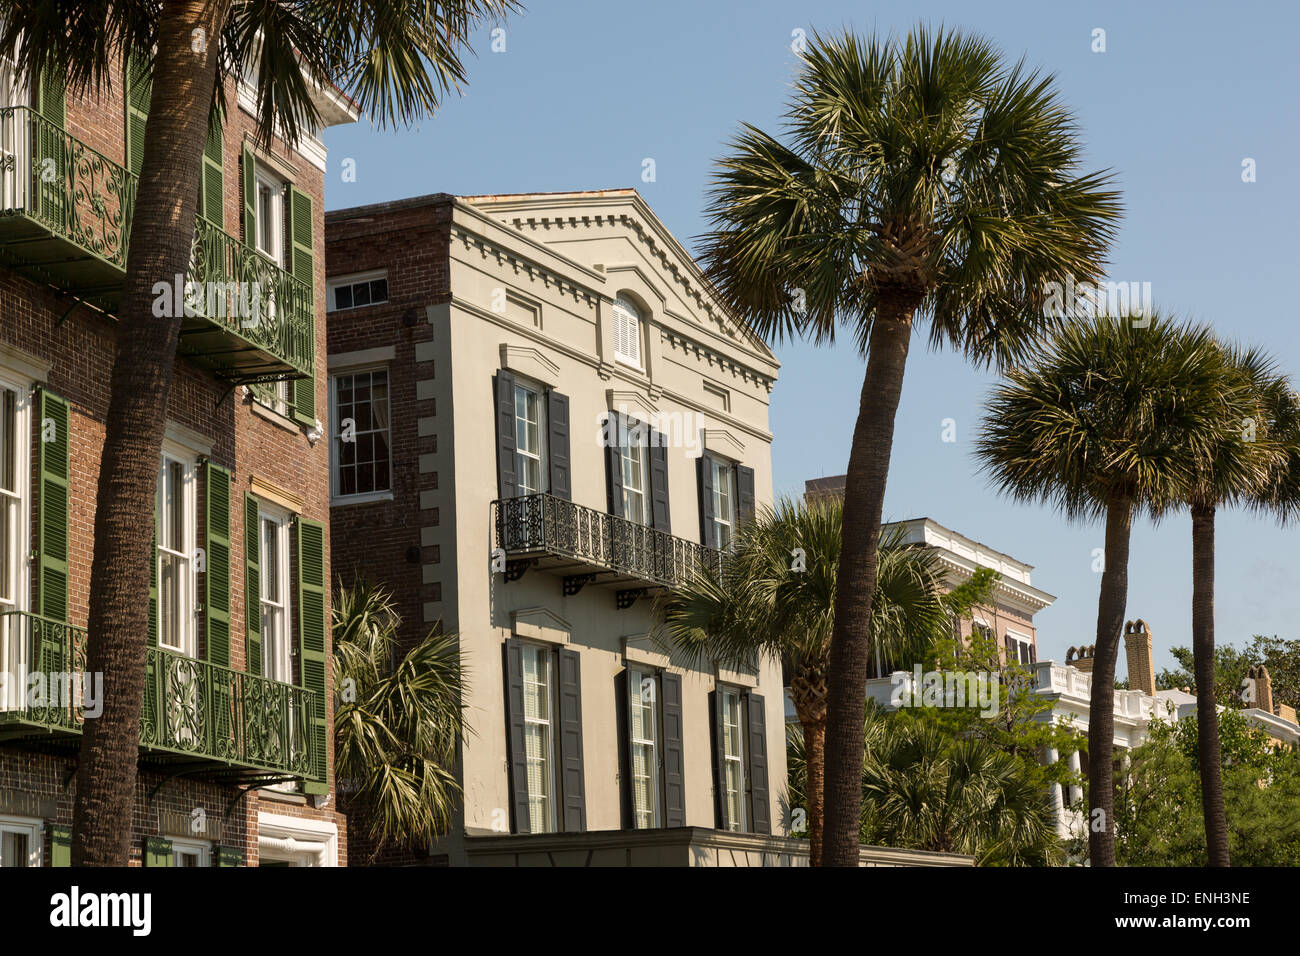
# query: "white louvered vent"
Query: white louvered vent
{"points": [[627, 333]]}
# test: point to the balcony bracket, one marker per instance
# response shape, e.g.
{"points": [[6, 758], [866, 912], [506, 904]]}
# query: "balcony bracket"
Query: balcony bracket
{"points": [[64, 317], [625, 599], [67, 781], [225, 395], [515, 569], [573, 583], [164, 781], [255, 785]]}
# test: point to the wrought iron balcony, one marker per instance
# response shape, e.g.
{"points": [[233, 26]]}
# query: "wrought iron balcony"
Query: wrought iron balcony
{"points": [[65, 221], [590, 546], [196, 714]]}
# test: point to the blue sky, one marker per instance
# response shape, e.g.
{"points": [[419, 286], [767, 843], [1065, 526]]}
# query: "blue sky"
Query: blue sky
{"points": [[1184, 92]]}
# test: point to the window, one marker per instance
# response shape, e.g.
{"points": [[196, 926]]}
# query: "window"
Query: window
{"points": [[530, 431], [13, 541], [175, 510], [20, 842], [269, 208], [634, 458], [627, 332], [356, 291], [539, 738], [360, 452], [277, 654], [733, 760], [724, 502], [1020, 649], [192, 853], [644, 711]]}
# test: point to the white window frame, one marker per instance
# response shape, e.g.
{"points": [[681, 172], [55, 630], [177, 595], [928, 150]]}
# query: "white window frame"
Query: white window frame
{"points": [[188, 599], [528, 390], [723, 522], [276, 185], [298, 841], [13, 646], [29, 827], [198, 848], [644, 818], [633, 452], [333, 283], [730, 694], [336, 496], [279, 658], [1024, 648], [628, 322], [545, 655]]}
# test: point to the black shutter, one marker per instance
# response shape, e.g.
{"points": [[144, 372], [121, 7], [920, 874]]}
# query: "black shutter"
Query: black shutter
{"points": [[719, 761], [615, 429], [515, 735], [659, 514], [744, 494], [1033, 654], [570, 687], [557, 445], [708, 537], [1012, 656], [674, 778], [760, 811], [507, 472], [623, 714]]}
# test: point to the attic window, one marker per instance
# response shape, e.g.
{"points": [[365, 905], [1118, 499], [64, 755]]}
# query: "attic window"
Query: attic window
{"points": [[627, 333]]}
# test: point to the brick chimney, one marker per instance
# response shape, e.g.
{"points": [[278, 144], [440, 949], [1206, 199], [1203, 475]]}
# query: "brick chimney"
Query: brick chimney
{"points": [[1141, 657], [1263, 687], [1081, 657]]}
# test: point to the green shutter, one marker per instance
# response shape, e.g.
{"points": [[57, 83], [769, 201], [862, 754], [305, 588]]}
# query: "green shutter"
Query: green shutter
{"points": [[153, 578], [157, 851], [302, 267], [252, 586], [50, 98], [229, 856], [311, 640], [212, 196], [216, 576], [248, 174], [51, 146], [139, 88], [53, 517], [60, 846]]}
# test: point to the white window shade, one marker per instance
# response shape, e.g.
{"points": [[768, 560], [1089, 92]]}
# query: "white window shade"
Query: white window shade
{"points": [[627, 332]]}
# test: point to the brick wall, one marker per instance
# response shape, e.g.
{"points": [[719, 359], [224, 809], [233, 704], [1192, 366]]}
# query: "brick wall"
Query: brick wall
{"points": [[80, 351]]}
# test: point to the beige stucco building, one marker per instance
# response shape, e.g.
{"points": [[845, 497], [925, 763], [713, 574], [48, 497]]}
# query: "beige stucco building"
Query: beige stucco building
{"points": [[570, 422]]}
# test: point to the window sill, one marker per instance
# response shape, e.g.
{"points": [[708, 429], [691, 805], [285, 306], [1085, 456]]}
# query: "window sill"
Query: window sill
{"points": [[365, 499], [274, 417]]}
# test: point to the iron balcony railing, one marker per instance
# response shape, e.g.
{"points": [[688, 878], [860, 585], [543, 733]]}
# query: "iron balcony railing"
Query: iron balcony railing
{"points": [[191, 707], [533, 524], [66, 190]]}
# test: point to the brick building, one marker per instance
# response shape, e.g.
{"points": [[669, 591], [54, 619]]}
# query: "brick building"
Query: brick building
{"points": [[235, 755], [540, 419]]}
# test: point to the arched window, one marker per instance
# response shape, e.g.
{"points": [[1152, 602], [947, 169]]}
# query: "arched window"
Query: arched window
{"points": [[627, 332]]}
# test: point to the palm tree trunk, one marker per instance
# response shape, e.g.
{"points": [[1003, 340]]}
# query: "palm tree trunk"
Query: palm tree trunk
{"points": [[1101, 708], [1207, 716], [814, 750], [864, 500], [161, 237]]}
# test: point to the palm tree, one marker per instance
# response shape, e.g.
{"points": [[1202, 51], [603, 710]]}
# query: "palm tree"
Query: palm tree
{"points": [[1248, 464], [925, 789], [922, 178], [397, 725], [1109, 422], [776, 595], [396, 60]]}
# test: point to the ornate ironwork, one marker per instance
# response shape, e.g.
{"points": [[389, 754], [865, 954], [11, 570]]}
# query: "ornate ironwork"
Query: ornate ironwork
{"points": [[75, 192], [81, 196], [544, 524], [191, 706]]}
